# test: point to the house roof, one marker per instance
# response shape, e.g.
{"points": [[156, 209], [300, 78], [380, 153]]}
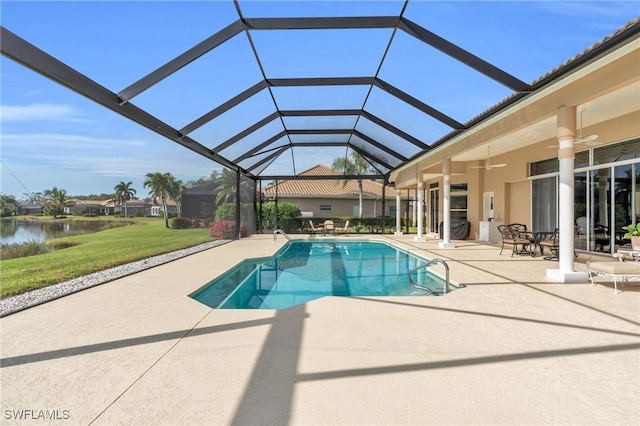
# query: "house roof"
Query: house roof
{"points": [[326, 188], [204, 189]]}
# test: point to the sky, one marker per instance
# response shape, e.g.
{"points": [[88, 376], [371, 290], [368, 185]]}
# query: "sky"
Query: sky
{"points": [[51, 136]]}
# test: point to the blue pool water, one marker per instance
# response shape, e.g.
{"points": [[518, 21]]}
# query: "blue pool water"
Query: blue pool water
{"points": [[305, 270]]}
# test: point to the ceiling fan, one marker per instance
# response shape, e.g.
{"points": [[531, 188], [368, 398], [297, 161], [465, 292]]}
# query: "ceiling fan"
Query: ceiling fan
{"points": [[487, 164], [587, 140]]}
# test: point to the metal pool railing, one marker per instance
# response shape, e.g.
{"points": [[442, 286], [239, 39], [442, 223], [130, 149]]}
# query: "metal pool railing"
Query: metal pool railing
{"points": [[426, 265], [281, 232]]}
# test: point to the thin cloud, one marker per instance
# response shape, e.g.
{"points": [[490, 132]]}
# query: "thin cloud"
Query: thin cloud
{"points": [[66, 141], [40, 111]]}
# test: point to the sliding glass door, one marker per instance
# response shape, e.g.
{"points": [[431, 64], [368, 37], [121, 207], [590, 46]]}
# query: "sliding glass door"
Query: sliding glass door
{"points": [[545, 203]]}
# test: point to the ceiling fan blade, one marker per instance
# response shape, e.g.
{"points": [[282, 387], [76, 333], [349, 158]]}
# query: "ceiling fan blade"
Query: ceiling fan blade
{"points": [[589, 138], [488, 166]]}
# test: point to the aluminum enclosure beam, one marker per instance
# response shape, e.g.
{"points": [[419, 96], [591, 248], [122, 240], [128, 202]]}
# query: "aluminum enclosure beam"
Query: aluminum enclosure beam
{"points": [[319, 177], [258, 148], [181, 61], [226, 106], [26, 54], [322, 23], [361, 151], [463, 56], [394, 91], [246, 132], [269, 158], [375, 119], [321, 81]]}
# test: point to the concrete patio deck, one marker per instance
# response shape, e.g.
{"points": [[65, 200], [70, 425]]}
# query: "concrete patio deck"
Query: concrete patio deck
{"points": [[510, 348]]}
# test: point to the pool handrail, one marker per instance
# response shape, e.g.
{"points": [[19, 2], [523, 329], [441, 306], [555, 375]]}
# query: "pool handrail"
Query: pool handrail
{"points": [[425, 265], [280, 231]]}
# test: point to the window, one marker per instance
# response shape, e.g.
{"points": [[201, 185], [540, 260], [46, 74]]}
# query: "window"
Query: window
{"points": [[326, 207], [618, 152], [544, 167]]}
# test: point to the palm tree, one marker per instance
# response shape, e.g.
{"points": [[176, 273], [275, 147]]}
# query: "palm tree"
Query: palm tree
{"points": [[356, 165], [175, 191], [56, 200], [162, 186], [226, 187], [124, 192]]}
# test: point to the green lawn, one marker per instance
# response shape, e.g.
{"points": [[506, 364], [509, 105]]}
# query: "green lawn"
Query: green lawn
{"points": [[96, 252]]}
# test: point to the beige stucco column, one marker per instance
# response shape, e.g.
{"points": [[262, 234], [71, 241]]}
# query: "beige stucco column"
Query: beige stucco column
{"points": [[446, 205], [420, 214], [398, 213], [566, 131]]}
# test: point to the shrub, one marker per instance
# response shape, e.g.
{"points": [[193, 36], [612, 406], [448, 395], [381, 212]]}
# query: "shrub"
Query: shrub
{"points": [[285, 210], [227, 211], [62, 245], [374, 224], [226, 230], [15, 250], [183, 223]]}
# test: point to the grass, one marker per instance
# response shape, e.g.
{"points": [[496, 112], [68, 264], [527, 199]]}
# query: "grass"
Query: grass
{"points": [[95, 252]]}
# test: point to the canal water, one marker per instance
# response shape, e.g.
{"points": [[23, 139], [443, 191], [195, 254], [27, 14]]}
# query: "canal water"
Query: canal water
{"points": [[14, 230]]}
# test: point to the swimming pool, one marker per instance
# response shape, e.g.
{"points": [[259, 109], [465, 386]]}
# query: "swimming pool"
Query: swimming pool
{"points": [[306, 270]]}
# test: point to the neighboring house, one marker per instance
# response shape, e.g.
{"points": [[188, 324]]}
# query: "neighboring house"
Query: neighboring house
{"points": [[331, 198], [100, 207], [198, 201], [33, 209], [155, 209], [147, 208], [108, 207]]}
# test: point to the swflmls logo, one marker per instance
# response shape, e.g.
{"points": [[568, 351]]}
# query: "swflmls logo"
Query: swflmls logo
{"points": [[36, 414]]}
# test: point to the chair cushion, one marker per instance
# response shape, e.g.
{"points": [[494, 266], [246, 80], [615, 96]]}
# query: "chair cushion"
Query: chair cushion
{"points": [[615, 268]]}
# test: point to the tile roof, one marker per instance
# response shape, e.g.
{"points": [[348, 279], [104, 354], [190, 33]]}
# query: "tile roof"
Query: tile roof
{"points": [[326, 188]]}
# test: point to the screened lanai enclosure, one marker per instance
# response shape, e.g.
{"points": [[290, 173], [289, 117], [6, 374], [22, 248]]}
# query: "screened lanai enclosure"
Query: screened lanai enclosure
{"points": [[270, 90]]}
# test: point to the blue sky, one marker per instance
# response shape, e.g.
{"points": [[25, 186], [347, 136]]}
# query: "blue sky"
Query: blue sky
{"points": [[51, 136]]}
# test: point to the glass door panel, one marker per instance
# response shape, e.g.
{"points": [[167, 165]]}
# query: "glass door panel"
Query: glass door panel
{"points": [[434, 210], [544, 196], [623, 201], [599, 215]]}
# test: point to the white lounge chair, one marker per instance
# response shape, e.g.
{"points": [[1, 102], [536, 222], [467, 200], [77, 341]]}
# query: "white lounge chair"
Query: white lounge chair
{"points": [[618, 271], [343, 229]]}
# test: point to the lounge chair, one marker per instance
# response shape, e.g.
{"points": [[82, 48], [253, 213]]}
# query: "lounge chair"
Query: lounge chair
{"points": [[315, 228], [617, 270], [343, 230]]}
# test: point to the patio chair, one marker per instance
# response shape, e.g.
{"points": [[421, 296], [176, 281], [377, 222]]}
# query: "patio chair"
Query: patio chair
{"points": [[315, 228], [551, 242], [520, 231], [511, 237], [601, 236], [343, 229]]}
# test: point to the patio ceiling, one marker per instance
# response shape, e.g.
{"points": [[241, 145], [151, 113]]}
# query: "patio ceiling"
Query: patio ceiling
{"points": [[373, 98]]}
